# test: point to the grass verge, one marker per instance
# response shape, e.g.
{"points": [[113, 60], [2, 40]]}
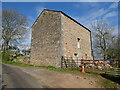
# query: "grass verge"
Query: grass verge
{"points": [[47, 67], [106, 83]]}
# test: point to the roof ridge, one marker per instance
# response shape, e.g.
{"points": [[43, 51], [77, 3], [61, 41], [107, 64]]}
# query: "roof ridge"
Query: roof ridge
{"points": [[63, 14]]}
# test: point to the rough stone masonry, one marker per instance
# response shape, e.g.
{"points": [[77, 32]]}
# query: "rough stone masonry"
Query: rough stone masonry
{"points": [[55, 34]]}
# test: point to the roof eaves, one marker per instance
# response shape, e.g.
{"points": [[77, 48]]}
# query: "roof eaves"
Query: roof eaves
{"points": [[63, 14], [75, 21]]}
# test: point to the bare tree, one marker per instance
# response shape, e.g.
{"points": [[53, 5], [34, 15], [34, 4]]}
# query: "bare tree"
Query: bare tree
{"points": [[14, 28], [102, 37], [113, 52]]}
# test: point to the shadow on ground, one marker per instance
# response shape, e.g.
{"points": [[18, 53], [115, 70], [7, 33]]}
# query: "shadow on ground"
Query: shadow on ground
{"points": [[113, 78]]}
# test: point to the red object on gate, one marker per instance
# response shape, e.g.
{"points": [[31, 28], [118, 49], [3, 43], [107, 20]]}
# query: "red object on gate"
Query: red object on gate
{"points": [[83, 68], [101, 59]]}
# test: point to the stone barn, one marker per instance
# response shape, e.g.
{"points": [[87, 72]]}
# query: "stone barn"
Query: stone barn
{"points": [[55, 34]]}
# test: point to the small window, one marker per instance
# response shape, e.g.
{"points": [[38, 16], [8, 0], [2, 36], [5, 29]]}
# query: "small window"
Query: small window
{"points": [[86, 56], [75, 54], [78, 39]]}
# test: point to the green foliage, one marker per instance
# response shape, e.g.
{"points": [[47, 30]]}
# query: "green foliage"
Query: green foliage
{"points": [[6, 55], [12, 54], [113, 52], [17, 63], [26, 52], [21, 57]]}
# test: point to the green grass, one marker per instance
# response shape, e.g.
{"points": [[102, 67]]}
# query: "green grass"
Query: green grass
{"points": [[106, 83], [47, 67], [92, 72], [74, 71], [21, 64], [89, 72]]}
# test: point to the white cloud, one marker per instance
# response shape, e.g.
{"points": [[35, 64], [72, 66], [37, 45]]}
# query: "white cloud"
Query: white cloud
{"points": [[116, 30], [111, 14], [114, 5], [29, 33], [98, 13], [30, 18], [25, 45], [89, 4], [39, 10], [27, 41], [94, 14]]}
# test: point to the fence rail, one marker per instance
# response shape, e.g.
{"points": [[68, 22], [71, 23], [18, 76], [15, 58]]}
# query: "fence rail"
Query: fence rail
{"points": [[70, 62]]}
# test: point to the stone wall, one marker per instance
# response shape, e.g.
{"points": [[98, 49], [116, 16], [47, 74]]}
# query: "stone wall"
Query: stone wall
{"points": [[25, 60], [55, 35], [45, 47], [71, 32]]}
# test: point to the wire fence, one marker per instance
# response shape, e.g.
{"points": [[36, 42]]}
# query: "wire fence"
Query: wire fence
{"points": [[110, 66]]}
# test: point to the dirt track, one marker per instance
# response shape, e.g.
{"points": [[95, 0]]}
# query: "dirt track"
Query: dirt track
{"points": [[44, 78]]}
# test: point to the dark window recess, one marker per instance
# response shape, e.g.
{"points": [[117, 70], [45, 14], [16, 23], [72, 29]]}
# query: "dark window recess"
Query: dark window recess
{"points": [[75, 54], [86, 56], [41, 21], [78, 39]]}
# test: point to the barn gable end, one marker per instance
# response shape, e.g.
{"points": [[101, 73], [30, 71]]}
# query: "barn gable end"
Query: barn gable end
{"points": [[54, 34]]}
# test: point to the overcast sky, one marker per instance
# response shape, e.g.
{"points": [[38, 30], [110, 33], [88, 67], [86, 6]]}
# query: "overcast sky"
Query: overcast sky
{"points": [[83, 12]]}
